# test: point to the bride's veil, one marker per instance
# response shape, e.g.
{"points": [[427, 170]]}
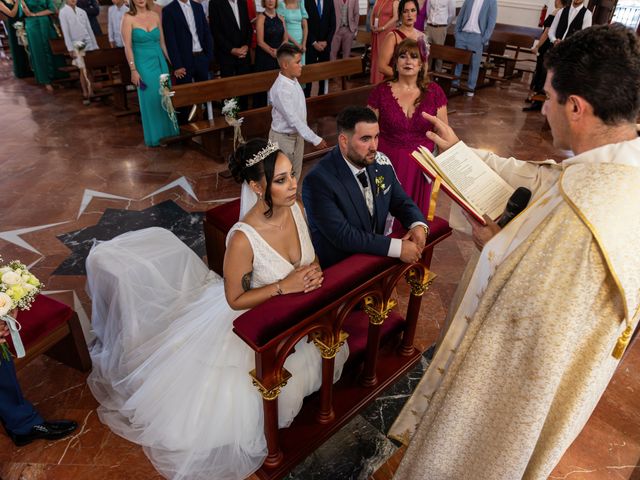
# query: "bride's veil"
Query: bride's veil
{"points": [[248, 199]]}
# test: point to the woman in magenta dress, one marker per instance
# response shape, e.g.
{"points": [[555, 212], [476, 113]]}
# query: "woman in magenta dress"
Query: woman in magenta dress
{"points": [[399, 104]]}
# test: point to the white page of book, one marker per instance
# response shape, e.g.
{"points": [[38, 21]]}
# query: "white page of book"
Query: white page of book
{"points": [[475, 180]]}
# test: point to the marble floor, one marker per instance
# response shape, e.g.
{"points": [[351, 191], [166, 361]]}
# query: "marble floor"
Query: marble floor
{"points": [[74, 174]]}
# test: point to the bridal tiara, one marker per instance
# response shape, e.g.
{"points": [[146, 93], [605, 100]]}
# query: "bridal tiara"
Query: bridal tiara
{"points": [[262, 154]]}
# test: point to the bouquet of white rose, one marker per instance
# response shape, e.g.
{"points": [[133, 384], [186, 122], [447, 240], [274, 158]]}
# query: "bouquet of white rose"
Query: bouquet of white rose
{"points": [[165, 98], [23, 40], [18, 290], [230, 110]]}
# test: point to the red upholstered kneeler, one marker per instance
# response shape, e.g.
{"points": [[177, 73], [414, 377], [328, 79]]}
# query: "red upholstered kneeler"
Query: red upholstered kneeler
{"points": [[53, 328]]}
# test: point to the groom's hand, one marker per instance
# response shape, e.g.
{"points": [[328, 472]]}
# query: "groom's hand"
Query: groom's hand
{"points": [[410, 252], [4, 332], [417, 235]]}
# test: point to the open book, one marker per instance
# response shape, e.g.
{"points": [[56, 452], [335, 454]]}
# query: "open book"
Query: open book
{"points": [[469, 181]]}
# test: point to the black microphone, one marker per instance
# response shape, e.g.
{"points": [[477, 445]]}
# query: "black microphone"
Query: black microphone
{"points": [[517, 203]]}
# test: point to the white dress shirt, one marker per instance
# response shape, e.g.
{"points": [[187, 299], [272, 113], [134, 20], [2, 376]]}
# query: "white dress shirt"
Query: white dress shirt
{"points": [[473, 24], [441, 12], [76, 28], [395, 247], [187, 10], [236, 12], [116, 14], [289, 112], [573, 11]]}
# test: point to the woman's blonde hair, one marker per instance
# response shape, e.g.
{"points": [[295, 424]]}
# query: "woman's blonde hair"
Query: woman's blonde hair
{"points": [[410, 46], [133, 9]]}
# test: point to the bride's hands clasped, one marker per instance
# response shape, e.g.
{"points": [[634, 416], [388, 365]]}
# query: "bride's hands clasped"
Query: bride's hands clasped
{"points": [[303, 279]]}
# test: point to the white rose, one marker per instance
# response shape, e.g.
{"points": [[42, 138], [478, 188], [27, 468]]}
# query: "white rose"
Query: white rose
{"points": [[6, 304], [5, 270], [28, 287], [11, 278]]}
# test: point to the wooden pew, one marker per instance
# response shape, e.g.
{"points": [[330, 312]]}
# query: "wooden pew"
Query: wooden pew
{"points": [[58, 47], [109, 73], [212, 132], [450, 57], [517, 42]]}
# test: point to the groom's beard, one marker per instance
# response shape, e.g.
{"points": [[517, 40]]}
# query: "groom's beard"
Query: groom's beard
{"points": [[359, 160]]}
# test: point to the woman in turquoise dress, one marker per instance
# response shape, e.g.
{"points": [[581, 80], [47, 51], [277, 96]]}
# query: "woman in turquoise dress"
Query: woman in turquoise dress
{"points": [[13, 12], [295, 17], [39, 28], [146, 53]]}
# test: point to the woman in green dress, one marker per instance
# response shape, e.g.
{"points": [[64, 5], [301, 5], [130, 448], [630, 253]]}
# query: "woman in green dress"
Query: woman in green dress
{"points": [[295, 17], [13, 11], [146, 53], [39, 27]]}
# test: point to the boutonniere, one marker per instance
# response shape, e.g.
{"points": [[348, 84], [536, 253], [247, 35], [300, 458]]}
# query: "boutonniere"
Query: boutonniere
{"points": [[380, 184]]}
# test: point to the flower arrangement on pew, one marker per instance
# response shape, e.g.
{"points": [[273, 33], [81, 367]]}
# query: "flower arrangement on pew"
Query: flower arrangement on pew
{"points": [[230, 110], [18, 290], [165, 98], [23, 40], [79, 49]]}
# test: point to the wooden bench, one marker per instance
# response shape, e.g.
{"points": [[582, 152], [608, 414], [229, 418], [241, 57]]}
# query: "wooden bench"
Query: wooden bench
{"points": [[516, 42], [356, 306], [212, 132], [109, 74], [450, 56]]}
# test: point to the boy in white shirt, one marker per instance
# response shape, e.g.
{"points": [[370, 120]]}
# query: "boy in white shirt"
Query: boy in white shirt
{"points": [[115, 14], [289, 109], [76, 28]]}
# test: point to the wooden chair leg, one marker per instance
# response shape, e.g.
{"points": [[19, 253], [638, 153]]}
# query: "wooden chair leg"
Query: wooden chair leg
{"points": [[72, 350]]}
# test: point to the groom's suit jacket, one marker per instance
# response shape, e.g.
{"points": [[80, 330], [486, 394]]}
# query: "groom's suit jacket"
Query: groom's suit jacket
{"points": [[337, 212]]}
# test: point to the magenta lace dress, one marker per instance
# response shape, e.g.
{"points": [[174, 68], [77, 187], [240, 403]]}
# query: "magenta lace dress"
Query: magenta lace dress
{"points": [[399, 136]]}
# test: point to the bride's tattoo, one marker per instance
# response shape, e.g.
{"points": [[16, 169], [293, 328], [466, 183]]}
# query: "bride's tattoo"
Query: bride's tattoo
{"points": [[246, 281]]}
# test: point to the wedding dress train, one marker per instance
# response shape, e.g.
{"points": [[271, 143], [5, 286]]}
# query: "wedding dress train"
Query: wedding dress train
{"points": [[168, 371]]}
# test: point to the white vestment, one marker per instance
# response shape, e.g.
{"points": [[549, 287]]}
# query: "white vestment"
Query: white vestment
{"points": [[529, 349]]}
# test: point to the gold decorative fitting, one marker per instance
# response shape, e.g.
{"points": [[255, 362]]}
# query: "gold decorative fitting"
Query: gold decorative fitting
{"points": [[270, 393], [330, 351], [378, 312], [419, 283]]}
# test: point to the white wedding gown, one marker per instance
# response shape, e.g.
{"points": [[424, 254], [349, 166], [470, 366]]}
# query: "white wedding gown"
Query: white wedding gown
{"points": [[168, 371]]}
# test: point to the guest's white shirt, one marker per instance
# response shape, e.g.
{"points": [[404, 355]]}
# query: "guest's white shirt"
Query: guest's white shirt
{"points": [[441, 12], [573, 11], [187, 10], [76, 28], [473, 24], [395, 247], [289, 112], [115, 16], [236, 12]]}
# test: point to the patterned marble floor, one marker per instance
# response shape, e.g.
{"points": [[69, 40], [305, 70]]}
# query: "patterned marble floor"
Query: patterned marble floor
{"points": [[74, 174]]}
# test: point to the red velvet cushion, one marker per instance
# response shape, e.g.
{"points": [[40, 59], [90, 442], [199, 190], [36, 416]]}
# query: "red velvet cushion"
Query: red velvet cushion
{"points": [[261, 324], [438, 227], [45, 315], [224, 216], [357, 326]]}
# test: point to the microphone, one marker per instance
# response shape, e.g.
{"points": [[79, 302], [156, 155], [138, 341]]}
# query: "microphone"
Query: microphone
{"points": [[517, 203]]}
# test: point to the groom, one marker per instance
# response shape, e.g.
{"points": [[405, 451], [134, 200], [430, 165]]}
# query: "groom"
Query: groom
{"points": [[348, 195]]}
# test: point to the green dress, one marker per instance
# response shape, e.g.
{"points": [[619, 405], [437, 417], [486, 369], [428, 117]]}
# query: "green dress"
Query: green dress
{"points": [[21, 66], [150, 63], [39, 31], [293, 21]]}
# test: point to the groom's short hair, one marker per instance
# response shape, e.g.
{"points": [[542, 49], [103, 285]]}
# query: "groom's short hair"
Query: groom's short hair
{"points": [[352, 115]]}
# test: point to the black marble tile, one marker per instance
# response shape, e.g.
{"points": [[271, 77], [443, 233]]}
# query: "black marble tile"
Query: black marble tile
{"points": [[187, 226], [354, 453]]}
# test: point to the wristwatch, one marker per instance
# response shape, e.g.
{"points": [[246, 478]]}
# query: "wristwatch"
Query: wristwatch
{"points": [[425, 228]]}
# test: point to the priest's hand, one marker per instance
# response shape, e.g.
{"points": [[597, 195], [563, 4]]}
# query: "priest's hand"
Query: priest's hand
{"points": [[442, 135], [482, 233]]}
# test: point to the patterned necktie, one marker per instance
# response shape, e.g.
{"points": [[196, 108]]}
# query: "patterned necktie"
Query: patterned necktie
{"points": [[368, 194]]}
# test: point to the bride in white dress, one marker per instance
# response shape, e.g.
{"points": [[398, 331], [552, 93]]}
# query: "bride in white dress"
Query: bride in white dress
{"points": [[168, 371]]}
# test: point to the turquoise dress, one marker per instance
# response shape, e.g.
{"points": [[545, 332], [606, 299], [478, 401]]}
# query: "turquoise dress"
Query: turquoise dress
{"points": [[39, 30], [150, 63], [21, 66], [293, 19]]}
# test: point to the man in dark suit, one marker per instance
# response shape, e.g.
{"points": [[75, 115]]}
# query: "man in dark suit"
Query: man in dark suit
{"points": [[321, 27], [232, 33], [189, 43], [349, 193], [20, 419]]}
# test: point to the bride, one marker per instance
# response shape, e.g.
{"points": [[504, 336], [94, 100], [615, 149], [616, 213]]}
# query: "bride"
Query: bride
{"points": [[168, 371]]}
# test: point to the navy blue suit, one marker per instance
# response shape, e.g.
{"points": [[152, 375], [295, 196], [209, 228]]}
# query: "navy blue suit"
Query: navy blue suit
{"points": [[339, 220], [16, 413], [177, 37]]}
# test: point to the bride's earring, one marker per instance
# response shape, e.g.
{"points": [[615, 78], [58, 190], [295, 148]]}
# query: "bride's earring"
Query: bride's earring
{"points": [[260, 195]]}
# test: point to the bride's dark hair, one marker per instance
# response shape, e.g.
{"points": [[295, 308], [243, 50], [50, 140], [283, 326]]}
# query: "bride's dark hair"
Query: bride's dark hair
{"points": [[241, 173]]}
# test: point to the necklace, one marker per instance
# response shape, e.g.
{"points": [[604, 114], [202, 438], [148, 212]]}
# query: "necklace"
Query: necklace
{"points": [[279, 227]]}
